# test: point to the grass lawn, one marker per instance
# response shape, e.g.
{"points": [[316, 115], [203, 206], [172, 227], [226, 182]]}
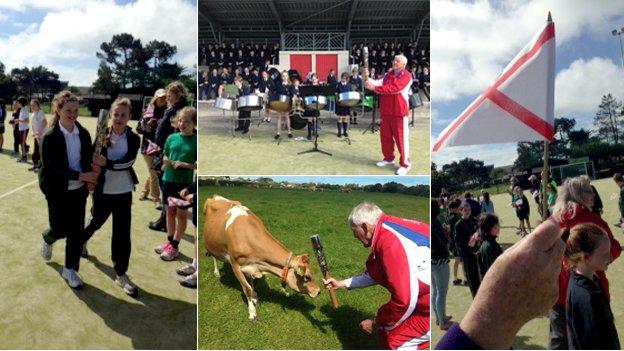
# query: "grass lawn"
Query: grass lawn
{"points": [[258, 153], [39, 310], [534, 335], [297, 321]]}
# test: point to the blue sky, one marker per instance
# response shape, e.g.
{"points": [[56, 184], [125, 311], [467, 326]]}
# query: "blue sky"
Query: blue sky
{"points": [[360, 180], [473, 41], [64, 35]]}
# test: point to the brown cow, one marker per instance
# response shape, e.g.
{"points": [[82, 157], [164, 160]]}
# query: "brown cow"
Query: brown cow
{"points": [[232, 233]]}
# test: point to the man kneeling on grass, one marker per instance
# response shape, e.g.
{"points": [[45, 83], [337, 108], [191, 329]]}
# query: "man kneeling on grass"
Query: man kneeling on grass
{"points": [[400, 262]]}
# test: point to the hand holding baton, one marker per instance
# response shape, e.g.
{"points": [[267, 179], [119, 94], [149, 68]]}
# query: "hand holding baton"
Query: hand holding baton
{"points": [[320, 256]]}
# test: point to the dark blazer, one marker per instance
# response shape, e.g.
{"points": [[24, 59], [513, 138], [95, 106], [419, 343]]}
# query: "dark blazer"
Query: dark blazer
{"points": [[165, 128], [55, 174], [134, 142]]}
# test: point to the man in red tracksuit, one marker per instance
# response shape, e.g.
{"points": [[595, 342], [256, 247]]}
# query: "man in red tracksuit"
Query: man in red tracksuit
{"points": [[393, 92], [400, 262]]}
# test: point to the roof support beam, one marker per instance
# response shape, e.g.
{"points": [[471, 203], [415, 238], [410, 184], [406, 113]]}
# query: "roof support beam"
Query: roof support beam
{"points": [[216, 28], [276, 14], [318, 13], [352, 9]]}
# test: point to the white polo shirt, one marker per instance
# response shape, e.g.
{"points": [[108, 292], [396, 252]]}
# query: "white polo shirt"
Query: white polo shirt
{"points": [[36, 122], [72, 143], [23, 119], [118, 182]]}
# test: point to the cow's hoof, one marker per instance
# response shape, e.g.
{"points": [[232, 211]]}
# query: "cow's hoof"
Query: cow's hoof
{"points": [[217, 274], [253, 318]]}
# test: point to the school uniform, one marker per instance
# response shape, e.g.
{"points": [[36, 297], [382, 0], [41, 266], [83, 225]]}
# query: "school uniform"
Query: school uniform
{"points": [[37, 119], [16, 132], [464, 229], [113, 196], [64, 155], [522, 207], [2, 118], [342, 110], [331, 80], [589, 318], [266, 86], [488, 253], [244, 117]]}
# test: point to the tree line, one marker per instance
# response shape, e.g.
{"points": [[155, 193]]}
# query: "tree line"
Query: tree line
{"points": [[125, 64], [266, 182], [601, 145]]}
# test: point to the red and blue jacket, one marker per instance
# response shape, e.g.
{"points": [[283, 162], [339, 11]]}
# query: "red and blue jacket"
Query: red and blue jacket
{"points": [[400, 262]]}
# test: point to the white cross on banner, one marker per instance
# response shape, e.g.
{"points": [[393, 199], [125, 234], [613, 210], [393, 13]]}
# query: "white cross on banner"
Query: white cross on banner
{"points": [[518, 106]]}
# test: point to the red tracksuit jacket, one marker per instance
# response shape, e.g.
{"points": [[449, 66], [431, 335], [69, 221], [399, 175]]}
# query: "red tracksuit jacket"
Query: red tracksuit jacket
{"points": [[400, 262], [393, 94]]}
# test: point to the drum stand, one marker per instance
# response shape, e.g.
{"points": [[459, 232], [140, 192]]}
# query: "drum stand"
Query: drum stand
{"points": [[315, 148], [372, 127]]}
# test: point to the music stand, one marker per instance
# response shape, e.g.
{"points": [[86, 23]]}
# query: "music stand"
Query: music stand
{"points": [[372, 127], [315, 90]]}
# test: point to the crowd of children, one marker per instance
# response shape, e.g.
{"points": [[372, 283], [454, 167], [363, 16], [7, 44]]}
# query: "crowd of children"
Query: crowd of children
{"points": [[582, 317], [71, 165]]}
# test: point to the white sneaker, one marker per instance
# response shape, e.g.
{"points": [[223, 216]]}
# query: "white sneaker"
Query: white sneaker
{"points": [[127, 285], [190, 281], [72, 277], [402, 170], [46, 250], [384, 163]]}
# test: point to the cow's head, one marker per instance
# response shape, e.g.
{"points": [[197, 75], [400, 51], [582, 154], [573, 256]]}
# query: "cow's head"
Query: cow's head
{"points": [[300, 277]]}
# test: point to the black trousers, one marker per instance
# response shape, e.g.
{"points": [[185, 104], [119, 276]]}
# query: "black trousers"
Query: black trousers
{"points": [[471, 272], [66, 214], [36, 156], [119, 205], [16, 139]]}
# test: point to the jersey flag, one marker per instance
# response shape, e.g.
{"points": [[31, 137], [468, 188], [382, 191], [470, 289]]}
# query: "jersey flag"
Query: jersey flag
{"points": [[518, 106]]}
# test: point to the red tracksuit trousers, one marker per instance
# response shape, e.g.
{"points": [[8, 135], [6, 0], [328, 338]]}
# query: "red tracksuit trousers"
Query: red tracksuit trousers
{"points": [[393, 131], [412, 334]]}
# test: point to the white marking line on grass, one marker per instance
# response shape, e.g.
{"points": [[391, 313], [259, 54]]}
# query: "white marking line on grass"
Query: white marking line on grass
{"points": [[17, 189]]}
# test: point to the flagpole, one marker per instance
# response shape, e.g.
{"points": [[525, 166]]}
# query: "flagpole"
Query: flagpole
{"points": [[544, 199], [545, 169]]}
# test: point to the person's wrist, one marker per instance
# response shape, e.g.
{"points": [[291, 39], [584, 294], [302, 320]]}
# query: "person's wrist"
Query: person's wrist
{"points": [[483, 325]]}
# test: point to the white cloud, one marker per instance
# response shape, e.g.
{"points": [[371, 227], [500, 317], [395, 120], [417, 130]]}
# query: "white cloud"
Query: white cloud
{"points": [[579, 87], [71, 32], [472, 42]]}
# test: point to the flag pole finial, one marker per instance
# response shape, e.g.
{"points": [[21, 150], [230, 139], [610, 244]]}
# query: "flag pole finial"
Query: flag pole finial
{"points": [[549, 17]]}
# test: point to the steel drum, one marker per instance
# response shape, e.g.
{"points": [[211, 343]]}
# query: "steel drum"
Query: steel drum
{"points": [[350, 98], [280, 103], [225, 104], [250, 103], [297, 121], [315, 102]]}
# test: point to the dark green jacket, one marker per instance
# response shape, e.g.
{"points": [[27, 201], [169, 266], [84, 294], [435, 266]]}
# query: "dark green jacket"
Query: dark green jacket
{"points": [[55, 174], [488, 253]]}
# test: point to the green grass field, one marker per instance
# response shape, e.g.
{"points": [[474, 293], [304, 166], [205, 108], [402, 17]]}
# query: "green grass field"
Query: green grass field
{"points": [[40, 311], [258, 153], [534, 335], [297, 321]]}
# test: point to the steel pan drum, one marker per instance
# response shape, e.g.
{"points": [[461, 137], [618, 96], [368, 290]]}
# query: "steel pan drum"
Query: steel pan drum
{"points": [[280, 103], [250, 103], [350, 98], [297, 122], [225, 104], [315, 102]]}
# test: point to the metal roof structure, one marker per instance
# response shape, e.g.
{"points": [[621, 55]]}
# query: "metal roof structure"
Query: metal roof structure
{"points": [[228, 20]]}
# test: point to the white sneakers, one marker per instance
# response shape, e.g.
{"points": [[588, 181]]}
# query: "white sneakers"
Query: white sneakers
{"points": [[384, 163], [402, 170], [72, 277], [127, 285], [46, 250]]}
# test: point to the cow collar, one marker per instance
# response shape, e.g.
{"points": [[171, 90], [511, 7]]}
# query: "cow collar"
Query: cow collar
{"points": [[286, 268]]}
